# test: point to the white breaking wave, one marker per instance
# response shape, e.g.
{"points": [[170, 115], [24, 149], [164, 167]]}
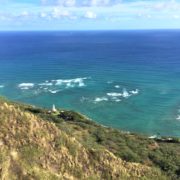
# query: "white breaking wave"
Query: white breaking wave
{"points": [[134, 91], [26, 86], [77, 82], [125, 94], [100, 99], [117, 86], [1, 86], [50, 85], [109, 82], [178, 118], [114, 94], [116, 99], [46, 84], [53, 91]]}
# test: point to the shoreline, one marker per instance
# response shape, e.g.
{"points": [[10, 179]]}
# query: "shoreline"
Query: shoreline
{"points": [[158, 137], [158, 153]]}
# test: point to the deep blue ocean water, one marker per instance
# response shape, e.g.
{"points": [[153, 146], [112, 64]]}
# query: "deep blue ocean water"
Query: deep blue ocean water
{"points": [[123, 79]]}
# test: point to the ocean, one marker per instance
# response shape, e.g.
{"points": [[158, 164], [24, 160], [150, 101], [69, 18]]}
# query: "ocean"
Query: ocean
{"points": [[123, 79]]}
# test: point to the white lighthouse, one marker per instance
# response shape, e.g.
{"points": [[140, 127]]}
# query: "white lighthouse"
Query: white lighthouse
{"points": [[54, 108]]}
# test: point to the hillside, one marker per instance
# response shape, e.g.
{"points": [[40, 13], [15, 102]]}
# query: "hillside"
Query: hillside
{"points": [[37, 144]]}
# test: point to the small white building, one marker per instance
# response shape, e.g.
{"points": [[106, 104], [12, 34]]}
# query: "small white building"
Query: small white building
{"points": [[54, 108]]}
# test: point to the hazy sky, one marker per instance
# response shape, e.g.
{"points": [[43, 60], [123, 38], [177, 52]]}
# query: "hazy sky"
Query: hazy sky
{"points": [[89, 14]]}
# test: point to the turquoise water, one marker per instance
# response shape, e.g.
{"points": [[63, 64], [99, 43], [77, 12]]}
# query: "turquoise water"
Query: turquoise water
{"points": [[127, 79]]}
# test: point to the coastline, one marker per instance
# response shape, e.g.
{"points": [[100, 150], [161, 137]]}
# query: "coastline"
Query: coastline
{"points": [[157, 136], [130, 147]]}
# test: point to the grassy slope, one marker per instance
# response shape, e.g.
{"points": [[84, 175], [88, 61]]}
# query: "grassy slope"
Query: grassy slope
{"points": [[68, 145]]}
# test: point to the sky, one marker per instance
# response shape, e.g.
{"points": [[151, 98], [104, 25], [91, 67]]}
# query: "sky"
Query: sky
{"points": [[89, 14]]}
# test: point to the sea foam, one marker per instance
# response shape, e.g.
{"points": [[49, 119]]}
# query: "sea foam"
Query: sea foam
{"points": [[116, 99], [50, 85], [46, 84], [26, 86], [53, 91], [100, 99], [70, 83], [178, 118], [117, 86], [1, 86], [114, 94], [125, 93], [134, 91]]}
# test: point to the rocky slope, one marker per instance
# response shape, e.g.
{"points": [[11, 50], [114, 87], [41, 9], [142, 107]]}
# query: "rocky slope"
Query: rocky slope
{"points": [[36, 144]]}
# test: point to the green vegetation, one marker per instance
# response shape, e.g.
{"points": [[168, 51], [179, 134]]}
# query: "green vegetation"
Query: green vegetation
{"points": [[76, 147], [161, 152]]}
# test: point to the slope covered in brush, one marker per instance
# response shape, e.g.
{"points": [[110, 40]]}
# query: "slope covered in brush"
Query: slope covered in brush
{"points": [[36, 144]]}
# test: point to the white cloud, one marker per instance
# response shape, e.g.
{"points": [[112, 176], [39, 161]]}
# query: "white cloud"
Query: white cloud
{"points": [[4, 17], [70, 3], [106, 11], [90, 15], [43, 2], [80, 3], [144, 15], [176, 16], [168, 5], [66, 3], [59, 13], [24, 14], [43, 15], [99, 2]]}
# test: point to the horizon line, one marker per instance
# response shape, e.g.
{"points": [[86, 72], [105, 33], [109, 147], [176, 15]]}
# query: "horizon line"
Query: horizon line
{"points": [[85, 30]]}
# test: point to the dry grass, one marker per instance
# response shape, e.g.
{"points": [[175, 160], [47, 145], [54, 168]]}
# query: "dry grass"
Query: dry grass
{"points": [[31, 148]]}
